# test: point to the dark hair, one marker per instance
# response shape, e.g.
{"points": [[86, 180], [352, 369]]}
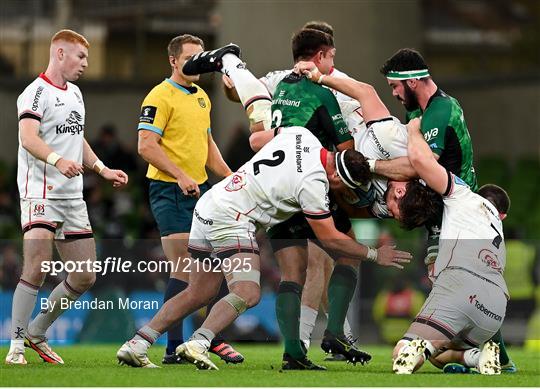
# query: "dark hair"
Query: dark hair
{"points": [[319, 25], [308, 42], [496, 196], [419, 205], [358, 166], [404, 59], [174, 49]]}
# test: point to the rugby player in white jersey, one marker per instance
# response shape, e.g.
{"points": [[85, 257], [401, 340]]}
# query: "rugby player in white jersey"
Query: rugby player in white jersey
{"points": [[385, 139], [256, 97], [290, 174], [52, 152], [467, 303]]}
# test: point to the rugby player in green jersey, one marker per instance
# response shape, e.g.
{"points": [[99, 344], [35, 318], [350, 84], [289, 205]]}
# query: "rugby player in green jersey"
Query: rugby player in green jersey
{"points": [[445, 130], [299, 102]]}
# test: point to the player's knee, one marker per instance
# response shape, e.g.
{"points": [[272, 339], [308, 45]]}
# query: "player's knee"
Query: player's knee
{"points": [[83, 281], [249, 294], [259, 113]]}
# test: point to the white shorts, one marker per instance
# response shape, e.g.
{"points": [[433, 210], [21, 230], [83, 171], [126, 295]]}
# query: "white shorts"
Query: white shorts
{"points": [[67, 218], [218, 232], [464, 307]]}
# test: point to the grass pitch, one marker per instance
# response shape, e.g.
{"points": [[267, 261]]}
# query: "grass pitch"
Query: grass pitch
{"points": [[95, 365]]}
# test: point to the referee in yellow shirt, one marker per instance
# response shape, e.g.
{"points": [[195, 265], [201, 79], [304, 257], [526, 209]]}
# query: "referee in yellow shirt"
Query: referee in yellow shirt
{"points": [[176, 140]]}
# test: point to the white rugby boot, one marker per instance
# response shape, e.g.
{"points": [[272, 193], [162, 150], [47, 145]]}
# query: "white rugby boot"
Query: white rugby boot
{"points": [[197, 353], [133, 353], [488, 363], [409, 356]]}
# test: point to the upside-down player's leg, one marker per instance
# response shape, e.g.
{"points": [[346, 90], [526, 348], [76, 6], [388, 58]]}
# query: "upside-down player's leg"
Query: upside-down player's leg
{"points": [[252, 93]]}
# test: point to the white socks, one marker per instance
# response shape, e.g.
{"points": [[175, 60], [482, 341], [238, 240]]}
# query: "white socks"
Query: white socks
{"points": [[471, 357], [308, 318], [253, 93], [24, 301], [61, 294]]}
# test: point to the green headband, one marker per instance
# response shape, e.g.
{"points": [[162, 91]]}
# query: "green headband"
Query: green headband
{"points": [[407, 74]]}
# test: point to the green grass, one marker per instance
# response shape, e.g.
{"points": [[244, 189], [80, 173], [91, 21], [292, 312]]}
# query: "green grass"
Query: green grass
{"points": [[95, 365]]}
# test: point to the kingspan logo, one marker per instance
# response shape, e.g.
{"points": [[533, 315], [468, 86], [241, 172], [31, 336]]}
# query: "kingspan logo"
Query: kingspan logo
{"points": [[74, 124]]}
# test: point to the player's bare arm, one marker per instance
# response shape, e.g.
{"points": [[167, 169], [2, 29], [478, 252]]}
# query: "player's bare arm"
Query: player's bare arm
{"points": [[423, 161], [397, 169], [372, 106], [117, 177], [258, 139], [149, 149], [30, 140], [215, 160], [344, 244]]}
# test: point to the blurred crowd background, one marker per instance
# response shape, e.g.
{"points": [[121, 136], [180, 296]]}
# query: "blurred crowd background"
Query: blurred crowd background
{"points": [[483, 52]]}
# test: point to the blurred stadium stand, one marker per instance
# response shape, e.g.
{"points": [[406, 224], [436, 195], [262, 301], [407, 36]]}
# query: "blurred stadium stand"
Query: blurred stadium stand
{"points": [[483, 52]]}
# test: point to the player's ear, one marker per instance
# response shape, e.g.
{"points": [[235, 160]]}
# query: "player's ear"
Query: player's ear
{"points": [[172, 60], [412, 83], [399, 191], [502, 216]]}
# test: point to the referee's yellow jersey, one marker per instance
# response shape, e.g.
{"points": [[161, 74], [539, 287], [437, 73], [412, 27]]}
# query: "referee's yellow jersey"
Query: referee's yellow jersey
{"points": [[181, 116]]}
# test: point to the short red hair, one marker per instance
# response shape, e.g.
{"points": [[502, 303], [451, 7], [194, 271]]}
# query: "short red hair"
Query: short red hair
{"points": [[70, 36]]}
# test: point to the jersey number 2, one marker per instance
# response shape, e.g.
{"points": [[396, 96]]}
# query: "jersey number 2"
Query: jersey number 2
{"points": [[279, 156]]}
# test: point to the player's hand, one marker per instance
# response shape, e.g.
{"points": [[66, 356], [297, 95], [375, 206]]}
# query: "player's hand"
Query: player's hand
{"points": [[188, 186], [227, 81], [414, 125], [118, 177], [389, 256], [309, 69], [69, 168]]}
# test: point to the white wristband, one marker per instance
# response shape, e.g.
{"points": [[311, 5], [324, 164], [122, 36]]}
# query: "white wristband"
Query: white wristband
{"points": [[52, 158], [320, 79], [100, 165], [371, 163], [372, 254]]}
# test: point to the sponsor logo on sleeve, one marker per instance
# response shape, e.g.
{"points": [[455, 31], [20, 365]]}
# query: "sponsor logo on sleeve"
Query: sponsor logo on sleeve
{"points": [[148, 114], [201, 101], [35, 104]]}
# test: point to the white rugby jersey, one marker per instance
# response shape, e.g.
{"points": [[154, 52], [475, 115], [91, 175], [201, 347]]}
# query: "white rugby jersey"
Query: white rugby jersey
{"points": [[350, 108], [285, 177], [61, 115], [384, 139], [471, 234]]}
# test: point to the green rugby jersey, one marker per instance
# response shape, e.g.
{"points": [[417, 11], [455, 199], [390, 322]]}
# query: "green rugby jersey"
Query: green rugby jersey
{"points": [[445, 130], [299, 102]]}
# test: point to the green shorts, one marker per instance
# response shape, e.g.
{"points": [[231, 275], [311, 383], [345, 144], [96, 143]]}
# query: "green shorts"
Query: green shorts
{"points": [[172, 210]]}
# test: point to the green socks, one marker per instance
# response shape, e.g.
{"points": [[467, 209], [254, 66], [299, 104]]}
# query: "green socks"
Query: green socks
{"points": [[504, 358], [288, 304], [340, 293]]}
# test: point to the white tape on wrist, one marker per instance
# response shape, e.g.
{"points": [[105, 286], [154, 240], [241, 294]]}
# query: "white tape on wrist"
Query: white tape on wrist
{"points": [[52, 158], [100, 165], [319, 81], [372, 254], [371, 163]]}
